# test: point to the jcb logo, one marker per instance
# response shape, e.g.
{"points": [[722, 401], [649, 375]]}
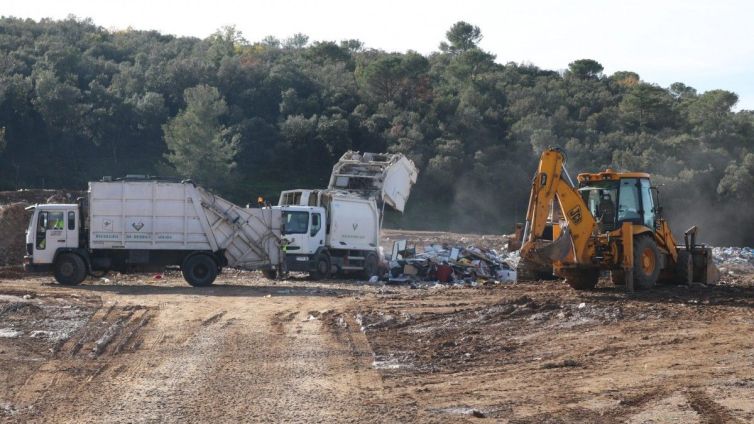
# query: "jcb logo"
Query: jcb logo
{"points": [[575, 214]]}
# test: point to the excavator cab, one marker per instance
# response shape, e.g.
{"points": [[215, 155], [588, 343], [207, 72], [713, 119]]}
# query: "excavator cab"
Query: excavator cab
{"points": [[614, 198]]}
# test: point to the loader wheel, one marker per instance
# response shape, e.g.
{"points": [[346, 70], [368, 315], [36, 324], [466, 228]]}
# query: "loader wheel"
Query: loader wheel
{"points": [[70, 269], [371, 265], [583, 279], [646, 262], [270, 274], [199, 270], [322, 265]]}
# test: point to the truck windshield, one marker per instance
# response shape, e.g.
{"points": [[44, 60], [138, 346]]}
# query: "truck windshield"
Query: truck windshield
{"points": [[295, 222]]}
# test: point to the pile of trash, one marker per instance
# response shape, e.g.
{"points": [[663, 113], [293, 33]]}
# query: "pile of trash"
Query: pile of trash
{"points": [[14, 219], [446, 264], [731, 260]]}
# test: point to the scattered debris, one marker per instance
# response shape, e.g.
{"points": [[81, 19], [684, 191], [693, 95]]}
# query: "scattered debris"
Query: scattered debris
{"points": [[462, 410], [9, 333], [446, 264], [566, 363], [734, 260]]}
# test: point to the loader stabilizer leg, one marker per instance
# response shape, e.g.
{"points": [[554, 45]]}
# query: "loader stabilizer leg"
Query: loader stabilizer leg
{"points": [[703, 268], [627, 234]]}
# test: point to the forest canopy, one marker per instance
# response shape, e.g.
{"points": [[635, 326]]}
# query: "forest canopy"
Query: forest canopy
{"points": [[78, 102]]}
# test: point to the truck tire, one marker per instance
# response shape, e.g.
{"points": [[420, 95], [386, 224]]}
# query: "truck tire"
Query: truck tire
{"points": [[70, 269], [371, 265], [583, 279], [199, 270], [322, 267], [646, 262]]}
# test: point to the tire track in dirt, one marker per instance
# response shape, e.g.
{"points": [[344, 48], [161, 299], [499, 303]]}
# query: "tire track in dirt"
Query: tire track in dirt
{"points": [[209, 360], [709, 411]]}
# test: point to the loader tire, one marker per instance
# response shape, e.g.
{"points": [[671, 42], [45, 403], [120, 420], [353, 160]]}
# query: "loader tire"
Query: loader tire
{"points": [[199, 270], [583, 279], [322, 267], [646, 262], [70, 269], [371, 265]]}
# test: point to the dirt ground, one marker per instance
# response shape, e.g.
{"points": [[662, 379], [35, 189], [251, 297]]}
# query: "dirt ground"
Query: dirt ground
{"points": [[141, 349]]}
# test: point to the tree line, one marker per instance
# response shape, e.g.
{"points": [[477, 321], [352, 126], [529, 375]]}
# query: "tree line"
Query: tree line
{"points": [[78, 102]]}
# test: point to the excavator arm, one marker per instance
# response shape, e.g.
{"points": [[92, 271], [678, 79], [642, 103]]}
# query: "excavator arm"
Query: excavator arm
{"points": [[552, 182]]}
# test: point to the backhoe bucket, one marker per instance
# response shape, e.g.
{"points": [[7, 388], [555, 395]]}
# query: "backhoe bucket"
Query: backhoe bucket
{"points": [[545, 252]]}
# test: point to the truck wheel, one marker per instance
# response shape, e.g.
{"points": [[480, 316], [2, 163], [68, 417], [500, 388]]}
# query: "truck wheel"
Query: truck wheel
{"points": [[371, 265], [270, 274], [322, 265], [646, 262], [199, 270], [70, 269], [583, 279]]}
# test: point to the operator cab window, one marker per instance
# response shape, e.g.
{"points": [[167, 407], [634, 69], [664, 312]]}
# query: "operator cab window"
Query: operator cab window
{"points": [[600, 197], [629, 206], [71, 220], [647, 203]]}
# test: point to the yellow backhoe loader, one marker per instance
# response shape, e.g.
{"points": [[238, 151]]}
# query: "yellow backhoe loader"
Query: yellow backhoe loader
{"points": [[611, 221]]}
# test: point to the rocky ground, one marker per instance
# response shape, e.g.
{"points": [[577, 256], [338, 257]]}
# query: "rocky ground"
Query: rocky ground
{"points": [[144, 349]]}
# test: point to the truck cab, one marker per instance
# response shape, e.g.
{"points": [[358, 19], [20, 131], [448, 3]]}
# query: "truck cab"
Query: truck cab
{"points": [[330, 232], [51, 228], [304, 231], [337, 229]]}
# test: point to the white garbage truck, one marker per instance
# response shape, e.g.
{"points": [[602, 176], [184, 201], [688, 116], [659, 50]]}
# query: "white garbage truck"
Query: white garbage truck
{"points": [[142, 224], [337, 230]]}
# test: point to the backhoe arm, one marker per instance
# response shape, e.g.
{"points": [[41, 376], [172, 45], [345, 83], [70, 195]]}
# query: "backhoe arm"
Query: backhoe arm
{"points": [[553, 182]]}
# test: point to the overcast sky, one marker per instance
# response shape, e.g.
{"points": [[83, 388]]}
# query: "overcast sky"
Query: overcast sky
{"points": [[704, 44]]}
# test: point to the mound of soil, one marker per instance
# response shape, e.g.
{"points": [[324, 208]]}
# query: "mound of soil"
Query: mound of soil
{"points": [[13, 222]]}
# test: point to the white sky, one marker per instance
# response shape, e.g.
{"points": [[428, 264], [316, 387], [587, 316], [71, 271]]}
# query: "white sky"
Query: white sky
{"points": [[704, 44]]}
